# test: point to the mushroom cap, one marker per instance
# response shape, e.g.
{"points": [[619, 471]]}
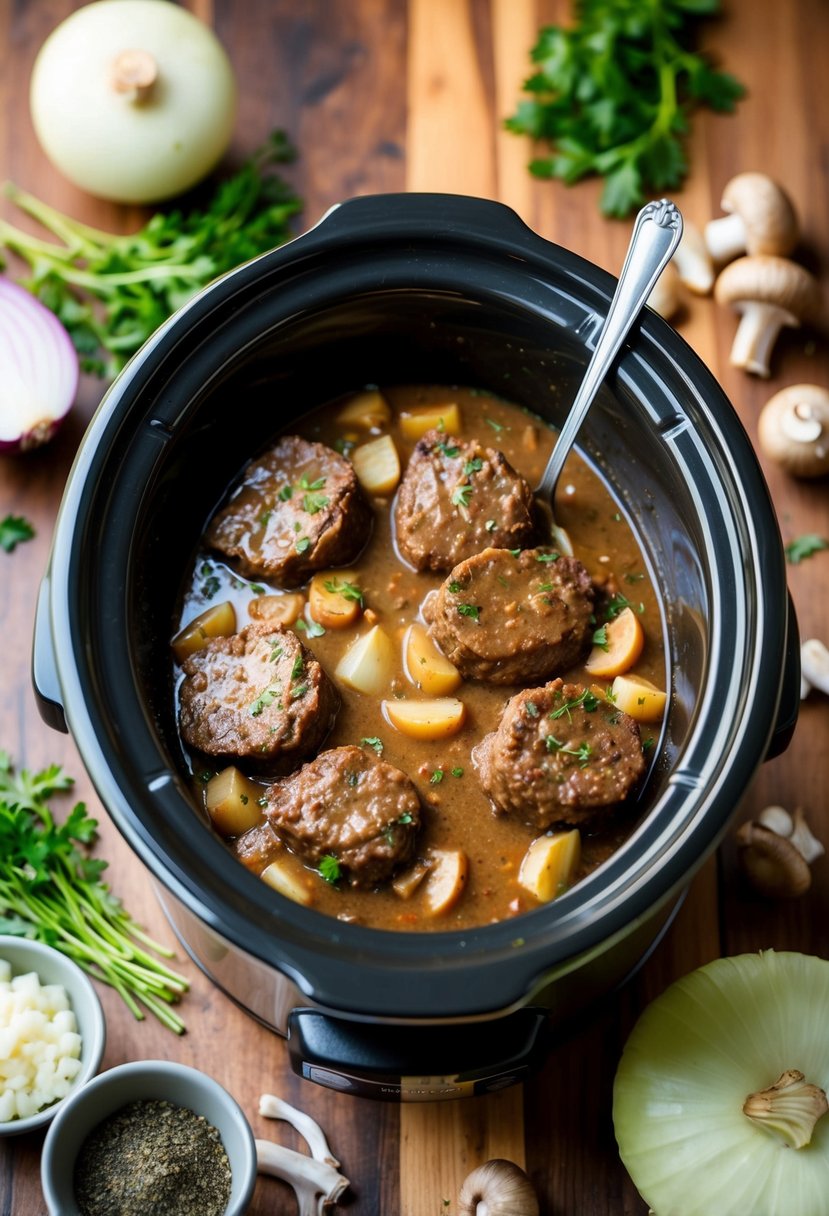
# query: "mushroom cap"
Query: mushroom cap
{"points": [[766, 211], [793, 429], [772, 864], [769, 280], [666, 298]]}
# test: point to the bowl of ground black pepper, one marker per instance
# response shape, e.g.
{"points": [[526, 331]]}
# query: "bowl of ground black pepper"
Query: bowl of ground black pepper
{"points": [[150, 1138]]}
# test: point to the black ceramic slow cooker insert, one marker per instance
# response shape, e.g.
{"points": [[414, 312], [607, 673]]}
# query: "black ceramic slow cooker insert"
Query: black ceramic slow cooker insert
{"points": [[430, 289]]}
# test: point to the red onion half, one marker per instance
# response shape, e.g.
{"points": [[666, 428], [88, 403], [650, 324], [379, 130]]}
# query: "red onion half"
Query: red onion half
{"points": [[38, 370]]}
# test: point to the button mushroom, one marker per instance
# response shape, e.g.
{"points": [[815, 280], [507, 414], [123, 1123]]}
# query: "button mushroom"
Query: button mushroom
{"points": [[693, 261], [793, 429], [498, 1188], [760, 219], [769, 292], [665, 298], [775, 852], [814, 665]]}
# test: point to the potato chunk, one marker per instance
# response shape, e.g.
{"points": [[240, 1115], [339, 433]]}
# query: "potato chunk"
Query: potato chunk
{"points": [[366, 411], [422, 418], [550, 865], [281, 877], [426, 666], [377, 465], [232, 801], [368, 664], [335, 599], [437, 718], [639, 698], [216, 622]]}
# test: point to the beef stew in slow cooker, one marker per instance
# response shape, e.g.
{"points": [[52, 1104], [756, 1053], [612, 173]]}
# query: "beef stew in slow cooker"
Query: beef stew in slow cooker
{"points": [[405, 702]]}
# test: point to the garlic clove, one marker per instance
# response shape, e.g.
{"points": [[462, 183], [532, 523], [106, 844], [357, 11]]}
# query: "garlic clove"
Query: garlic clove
{"points": [[498, 1188]]}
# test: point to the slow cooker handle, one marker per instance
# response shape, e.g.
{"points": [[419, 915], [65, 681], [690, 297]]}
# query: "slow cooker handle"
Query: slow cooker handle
{"points": [[789, 705], [44, 665], [412, 1063]]}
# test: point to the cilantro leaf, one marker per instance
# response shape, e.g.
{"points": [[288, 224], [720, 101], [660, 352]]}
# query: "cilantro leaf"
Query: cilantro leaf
{"points": [[373, 741], [330, 869], [14, 530], [805, 546]]}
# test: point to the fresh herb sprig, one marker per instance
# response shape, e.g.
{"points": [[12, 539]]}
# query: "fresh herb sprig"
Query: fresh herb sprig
{"points": [[112, 292], [51, 891], [14, 531], [805, 546], [614, 93]]}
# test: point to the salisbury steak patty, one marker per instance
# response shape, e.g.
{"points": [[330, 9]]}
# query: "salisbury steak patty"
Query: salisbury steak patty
{"points": [[456, 497], [258, 697], [513, 617], [299, 508], [349, 805], [558, 754]]}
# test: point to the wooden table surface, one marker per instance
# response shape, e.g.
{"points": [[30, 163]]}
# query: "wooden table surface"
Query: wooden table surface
{"points": [[386, 95]]}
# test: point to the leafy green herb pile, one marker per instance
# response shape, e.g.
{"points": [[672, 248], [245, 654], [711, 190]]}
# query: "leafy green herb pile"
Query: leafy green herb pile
{"points": [[613, 96], [51, 891], [112, 292]]}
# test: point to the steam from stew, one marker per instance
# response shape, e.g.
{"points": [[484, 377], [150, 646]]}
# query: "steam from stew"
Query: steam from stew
{"points": [[468, 862]]}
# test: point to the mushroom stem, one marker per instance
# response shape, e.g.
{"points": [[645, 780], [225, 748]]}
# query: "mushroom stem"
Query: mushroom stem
{"points": [[134, 74], [814, 662], [756, 334], [725, 237], [273, 1107], [789, 1109], [316, 1183]]}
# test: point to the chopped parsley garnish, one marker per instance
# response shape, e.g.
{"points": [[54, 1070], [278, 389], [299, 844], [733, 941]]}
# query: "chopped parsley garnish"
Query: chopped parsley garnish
{"points": [[210, 587], [470, 610], [314, 503], [373, 741], [297, 669], [312, 629], [545, 586], [457, 771], [633, 578], [265, 699], [264, 517], [436, 777], [473, 466], [305, 484], [406, 818], [330, 869], [805, 546], [490, 525], [277, 651], [303, 544], [582, 753], [243, 798], [461, 495], [515, 552], [450, 450], [455, 587], [617, 603], [532, 709], [587, 700], [349, 591], [503, 581], [343, 445], [299, 690], [647, 744], [616, 517], [496, 426], [14, 530], [546, 557], [257, 588], [600, 637], [285, 493]]}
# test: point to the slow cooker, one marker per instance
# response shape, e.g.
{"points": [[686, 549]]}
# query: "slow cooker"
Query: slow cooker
{"points": [[401, 289]]}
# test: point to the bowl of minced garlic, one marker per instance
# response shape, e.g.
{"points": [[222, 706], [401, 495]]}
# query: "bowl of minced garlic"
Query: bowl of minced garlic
{"points": [[52, 1033]]}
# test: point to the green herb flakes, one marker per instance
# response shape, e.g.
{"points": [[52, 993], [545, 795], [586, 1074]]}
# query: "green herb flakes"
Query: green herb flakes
{"points": [[303, 544], [457, 771], [436, 777], [330, 869], [547, 557], [470, 610], [374, 742], [473, 466], [264, 700], [286, 493], [311, 629], [600, 637], [805, 546], [14, 531], [461, 495], [496, 426], [349, 591], [449, 450]]}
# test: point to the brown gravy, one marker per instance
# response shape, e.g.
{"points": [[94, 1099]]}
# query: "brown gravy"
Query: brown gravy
{"points": [[457, 814]]}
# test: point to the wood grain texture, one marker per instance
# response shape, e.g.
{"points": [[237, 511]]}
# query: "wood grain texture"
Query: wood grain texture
{"points": [[383, 95]]}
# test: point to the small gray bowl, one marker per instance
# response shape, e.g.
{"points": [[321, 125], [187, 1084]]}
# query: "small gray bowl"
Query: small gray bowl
{"points": [[145, 1079], [52, 967]]}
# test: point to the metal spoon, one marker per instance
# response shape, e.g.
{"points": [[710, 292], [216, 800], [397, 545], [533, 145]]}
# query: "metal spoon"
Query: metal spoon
{"points": [[656, 233]]}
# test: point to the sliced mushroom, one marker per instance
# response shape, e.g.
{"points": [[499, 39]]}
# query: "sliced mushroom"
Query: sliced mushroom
{"points": [[665, 297], [273, 1107], [760, 219], [771, 863], [317, 1184], [814, 664], [793, 429], [498, 1188], [693, 261], [769, 292]]}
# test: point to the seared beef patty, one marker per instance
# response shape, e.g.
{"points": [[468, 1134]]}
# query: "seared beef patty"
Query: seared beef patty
{"points": [[513, 618], [559, 754], [258, 697], [456, 498], [299, 508], [349, 805]]}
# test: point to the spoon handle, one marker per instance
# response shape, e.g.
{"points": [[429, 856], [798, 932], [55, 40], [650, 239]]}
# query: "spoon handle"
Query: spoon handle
{"points": [[656, 234]]}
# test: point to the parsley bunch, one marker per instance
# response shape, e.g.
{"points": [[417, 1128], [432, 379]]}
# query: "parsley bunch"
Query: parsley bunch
{"points": [[613, 95], [51, 891], [112, 292]]}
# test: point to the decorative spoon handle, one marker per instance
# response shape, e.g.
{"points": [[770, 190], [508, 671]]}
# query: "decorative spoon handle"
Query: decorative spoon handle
{"points": [[656, 234]]}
